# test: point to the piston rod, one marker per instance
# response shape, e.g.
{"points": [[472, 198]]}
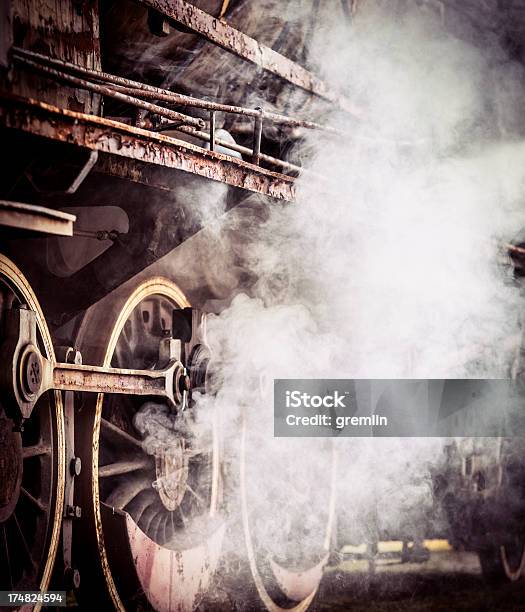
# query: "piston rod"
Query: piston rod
{"points": [[26, 374], [97, 379]]}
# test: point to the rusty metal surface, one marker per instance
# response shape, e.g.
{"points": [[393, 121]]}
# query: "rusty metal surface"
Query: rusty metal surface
{"points": [[133, 170], [111, 93], [232, 146], [246, 47], [95, 379], [171, 383], [108, 136], [35, 218], [181, 121], [137, 88], [65, 29]]}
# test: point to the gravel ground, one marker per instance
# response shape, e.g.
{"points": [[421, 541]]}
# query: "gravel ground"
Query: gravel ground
{"points": [[448, 581]]}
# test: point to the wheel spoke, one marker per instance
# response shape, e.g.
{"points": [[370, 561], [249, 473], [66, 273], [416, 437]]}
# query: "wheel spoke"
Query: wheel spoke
{"points": [[162, 528], [182, 517], [197, 496], [141, 503], [7, 558], [24, 542], [122, 349], [33, 500], [149, 516], [122, 495], [203, 453], [36, 450], [155, 524], [124, 467], [147, 485], [117, 435]]}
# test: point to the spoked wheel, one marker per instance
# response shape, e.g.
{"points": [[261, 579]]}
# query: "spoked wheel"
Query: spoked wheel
{"points": [[31, 466], [506, 560], [513, 557], [155, 484], [288, 513], [512, 468]]}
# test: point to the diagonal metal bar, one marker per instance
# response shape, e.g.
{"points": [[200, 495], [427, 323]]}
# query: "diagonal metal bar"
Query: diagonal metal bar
{"points": [[125, 467], [36, 450], [36, 502]]}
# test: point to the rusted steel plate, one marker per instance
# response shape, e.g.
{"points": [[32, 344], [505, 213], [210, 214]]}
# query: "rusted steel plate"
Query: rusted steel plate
{"points": [[246, 47], [66, 30], [174, 580], [94, 379], [98, 133], [35, 218]]}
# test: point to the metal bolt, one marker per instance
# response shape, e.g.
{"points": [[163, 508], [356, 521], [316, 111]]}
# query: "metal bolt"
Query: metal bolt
{"points": [[32, 372], [75, 466], [71, 578], [73, 511], [18, 427]]}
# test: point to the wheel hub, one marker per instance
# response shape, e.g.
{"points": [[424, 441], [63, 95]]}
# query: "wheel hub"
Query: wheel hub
{"points": [[30, 372], [10, 467], [171, 468]]}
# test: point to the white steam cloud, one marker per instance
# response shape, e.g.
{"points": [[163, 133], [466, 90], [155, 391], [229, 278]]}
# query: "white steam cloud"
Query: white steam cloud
{"points": [[389, 266]]}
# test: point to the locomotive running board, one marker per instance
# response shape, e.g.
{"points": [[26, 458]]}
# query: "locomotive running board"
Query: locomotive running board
{"points": [[116, 138]]}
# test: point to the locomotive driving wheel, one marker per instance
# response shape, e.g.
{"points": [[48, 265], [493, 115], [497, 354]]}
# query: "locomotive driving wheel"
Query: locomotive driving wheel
{"points": [[288, 514], [152, 496], [505, 559], [512, 484], [31, 462]]}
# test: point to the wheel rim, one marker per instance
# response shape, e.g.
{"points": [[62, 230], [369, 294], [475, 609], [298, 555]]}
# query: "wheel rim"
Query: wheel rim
{"points": [[513, 559], [30, 503], [281, 587], [164, 552], [512, 492]]}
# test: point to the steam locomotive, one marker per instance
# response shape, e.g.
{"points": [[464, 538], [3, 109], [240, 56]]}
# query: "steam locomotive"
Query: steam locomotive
{"points": [[122, 122]]}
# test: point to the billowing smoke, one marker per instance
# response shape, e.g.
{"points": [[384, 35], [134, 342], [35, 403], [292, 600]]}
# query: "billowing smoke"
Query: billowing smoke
{"points": [[388, 265]]}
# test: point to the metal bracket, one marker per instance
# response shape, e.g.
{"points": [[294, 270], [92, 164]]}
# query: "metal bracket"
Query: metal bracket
{"points": [[84, 171], [189, 324]]}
